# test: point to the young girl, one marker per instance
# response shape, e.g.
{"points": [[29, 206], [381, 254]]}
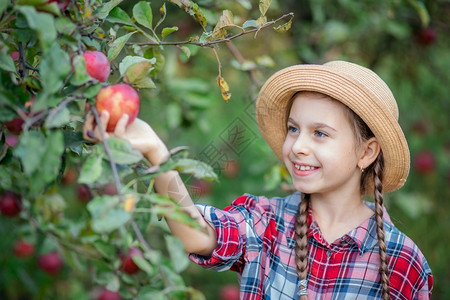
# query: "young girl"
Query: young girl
{"points": [[335, 128]]}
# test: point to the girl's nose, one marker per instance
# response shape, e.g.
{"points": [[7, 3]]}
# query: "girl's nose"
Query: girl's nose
{"points": [[301, 145]]}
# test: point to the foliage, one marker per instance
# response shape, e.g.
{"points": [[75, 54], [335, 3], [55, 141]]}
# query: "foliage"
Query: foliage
{"points": [[45, 92]]}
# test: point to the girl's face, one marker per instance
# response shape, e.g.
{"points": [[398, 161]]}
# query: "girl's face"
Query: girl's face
{"points": [[320, 149]]}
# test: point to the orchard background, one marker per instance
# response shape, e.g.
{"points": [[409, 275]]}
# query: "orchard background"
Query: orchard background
{"points": [[79, 219]]}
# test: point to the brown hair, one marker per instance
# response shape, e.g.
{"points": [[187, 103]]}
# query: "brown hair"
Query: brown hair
{"points": [[373, 172]]}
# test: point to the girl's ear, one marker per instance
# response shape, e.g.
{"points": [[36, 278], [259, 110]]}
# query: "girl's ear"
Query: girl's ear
{"points": [[369, 153]]}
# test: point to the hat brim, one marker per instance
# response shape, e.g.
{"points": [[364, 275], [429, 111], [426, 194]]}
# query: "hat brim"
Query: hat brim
{"points": [[373, 108]]}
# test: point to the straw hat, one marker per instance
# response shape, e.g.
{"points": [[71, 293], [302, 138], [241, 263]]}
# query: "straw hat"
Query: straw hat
{"points": [[358, 88]]}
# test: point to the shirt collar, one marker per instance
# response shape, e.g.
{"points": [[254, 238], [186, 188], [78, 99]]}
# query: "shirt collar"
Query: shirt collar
{"points": [[364, 236]]}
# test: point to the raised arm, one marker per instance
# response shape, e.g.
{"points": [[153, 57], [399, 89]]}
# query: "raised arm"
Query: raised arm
{"points": [[143, 138]]}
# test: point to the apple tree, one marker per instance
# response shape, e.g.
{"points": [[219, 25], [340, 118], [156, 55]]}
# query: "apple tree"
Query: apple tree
{"points": [[81, 220]]}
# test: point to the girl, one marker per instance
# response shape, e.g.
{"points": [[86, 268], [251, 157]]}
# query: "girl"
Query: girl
{"points": [[335, 128]]}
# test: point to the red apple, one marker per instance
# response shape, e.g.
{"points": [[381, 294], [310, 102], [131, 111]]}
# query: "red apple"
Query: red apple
{"points": [[426, 36], [15, 55], [11, 139], [109, 189], [23, 249], [51, 263], [70, 176], [231, 168], [62, 4], [128, 265], [425, 162], [83, 193], [229, 292], [108, 295], [201, 187], [97, 65], [118, 99], [10, 204], [15, 125]]}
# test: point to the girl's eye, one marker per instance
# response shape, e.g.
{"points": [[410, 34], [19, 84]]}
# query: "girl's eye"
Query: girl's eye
{"points": [[319, 133], [292, 129]]}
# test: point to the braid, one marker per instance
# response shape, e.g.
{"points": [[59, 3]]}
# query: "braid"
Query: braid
{"points": [[378, 168], [301, 237]]}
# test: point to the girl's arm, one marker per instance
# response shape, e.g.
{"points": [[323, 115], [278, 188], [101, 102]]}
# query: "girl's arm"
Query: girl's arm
{"points": [[143, 138]]}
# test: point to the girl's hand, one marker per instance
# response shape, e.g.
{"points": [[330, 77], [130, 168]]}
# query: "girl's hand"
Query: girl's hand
{"points": [[140, 135]]}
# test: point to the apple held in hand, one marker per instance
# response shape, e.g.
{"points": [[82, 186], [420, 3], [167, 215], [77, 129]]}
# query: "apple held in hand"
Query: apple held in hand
{"points": [[97, 65], [118, 99]]}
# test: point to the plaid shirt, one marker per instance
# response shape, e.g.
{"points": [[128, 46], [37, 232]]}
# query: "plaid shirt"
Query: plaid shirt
{"points": [[255, 237]]}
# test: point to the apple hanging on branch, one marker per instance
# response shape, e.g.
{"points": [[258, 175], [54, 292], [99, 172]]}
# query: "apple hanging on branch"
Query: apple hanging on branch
{"points": [[117, 100], [97, 65]]}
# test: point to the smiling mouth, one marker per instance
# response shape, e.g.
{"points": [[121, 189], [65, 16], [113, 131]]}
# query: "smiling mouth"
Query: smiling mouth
{"points": [[304, 167]]}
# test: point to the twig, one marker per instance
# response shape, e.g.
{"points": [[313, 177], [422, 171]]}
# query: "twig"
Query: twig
{"points": [[242, 60], [212, 43], [140, 237], [108, 152]]}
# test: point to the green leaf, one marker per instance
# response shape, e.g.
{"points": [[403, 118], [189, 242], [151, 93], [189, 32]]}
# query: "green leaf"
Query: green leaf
{"points": [[107, 214], [30, 150], [142, 13], [422, 11], [117, 45], [249, 24], [7, 63], [168, 30], [131, 60], [104, 10], [174, 115], [177, 253], [137, 72], [57, 118], [42, 23], [40, 157], [143, 264], [54, 68], [122, 152], [118, 15], [80, 76], [196, 168], [91, 169], [144, 83], [3, 5]]}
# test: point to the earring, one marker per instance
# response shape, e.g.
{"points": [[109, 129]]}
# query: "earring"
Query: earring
{"points": [[361, 169]]}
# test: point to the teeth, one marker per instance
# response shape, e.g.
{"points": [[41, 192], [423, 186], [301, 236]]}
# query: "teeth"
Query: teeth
{"points": [[304, 168]]}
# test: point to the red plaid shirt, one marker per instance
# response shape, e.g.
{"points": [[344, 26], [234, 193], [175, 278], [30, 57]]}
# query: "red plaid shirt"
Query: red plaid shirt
{"points": [[256, 239]]}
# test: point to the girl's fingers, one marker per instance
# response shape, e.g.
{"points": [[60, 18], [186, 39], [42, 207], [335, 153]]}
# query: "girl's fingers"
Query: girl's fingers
{"points": [[88, 127], [104, 118], [121, 125]]}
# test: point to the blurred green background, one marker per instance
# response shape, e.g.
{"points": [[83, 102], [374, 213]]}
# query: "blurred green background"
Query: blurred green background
{"points": [[389, 37]]}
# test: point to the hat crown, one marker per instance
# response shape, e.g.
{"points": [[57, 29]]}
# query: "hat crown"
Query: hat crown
{"points": [[370, 80]]}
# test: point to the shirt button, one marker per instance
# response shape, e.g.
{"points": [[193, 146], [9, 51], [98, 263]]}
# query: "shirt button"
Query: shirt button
{"points": [[329, 253]]}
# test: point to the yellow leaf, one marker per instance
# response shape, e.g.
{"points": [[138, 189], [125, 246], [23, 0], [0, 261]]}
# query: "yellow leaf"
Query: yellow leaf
{"points": [[261, 21], [226, 20], [130, 202], [264, 6], [283, 28], [224, 88]]}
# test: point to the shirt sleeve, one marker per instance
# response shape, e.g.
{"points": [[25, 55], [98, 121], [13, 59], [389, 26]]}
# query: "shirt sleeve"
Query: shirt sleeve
{"points": [[427, 287], [239, 229]]}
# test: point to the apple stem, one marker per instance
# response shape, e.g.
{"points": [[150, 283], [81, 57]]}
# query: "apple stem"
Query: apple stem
{"points": [[117, 182]]}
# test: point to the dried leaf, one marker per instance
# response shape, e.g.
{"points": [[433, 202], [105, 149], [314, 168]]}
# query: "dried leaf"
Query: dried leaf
{"points": [[224, 88], [283, 28], [261, 21], [264, 6]]}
